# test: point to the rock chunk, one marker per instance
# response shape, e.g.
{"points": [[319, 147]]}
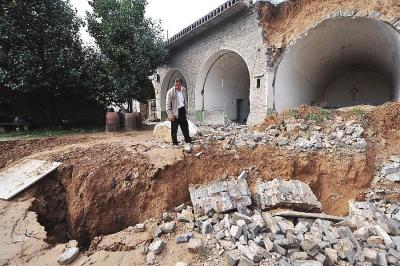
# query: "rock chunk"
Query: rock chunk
{"points": [[68, 256], [157, 246], [220, 196], [168, 227], [232, 257], [195, 246], [291, 194], [139, 228], [182, 238]]}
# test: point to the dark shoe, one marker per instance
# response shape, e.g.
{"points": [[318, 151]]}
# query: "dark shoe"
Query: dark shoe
{"points": [[175, 144]]}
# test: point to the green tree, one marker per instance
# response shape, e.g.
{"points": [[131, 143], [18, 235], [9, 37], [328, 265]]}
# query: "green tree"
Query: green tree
{"points": [[131, 47], [40, 53]]}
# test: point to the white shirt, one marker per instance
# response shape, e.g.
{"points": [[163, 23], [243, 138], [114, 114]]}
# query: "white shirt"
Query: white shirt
{"points": [[181, 99]]}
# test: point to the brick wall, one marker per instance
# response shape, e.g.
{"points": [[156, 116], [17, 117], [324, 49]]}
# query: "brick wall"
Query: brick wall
{"points": [[240, 34]]}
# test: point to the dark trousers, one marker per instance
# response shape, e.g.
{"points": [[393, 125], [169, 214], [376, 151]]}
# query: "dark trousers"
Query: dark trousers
{"points": [[181, 121]]}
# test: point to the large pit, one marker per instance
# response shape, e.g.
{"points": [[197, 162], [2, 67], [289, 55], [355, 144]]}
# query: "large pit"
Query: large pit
{"points": [[92, 194]]}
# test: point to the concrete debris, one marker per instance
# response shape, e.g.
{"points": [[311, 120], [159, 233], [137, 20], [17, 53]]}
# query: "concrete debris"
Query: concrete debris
{"points": [[291, 194], [195, 246], [157, 246], [386, 238], [244, 261], [291, 133], [206, 228], [232, 257], [139, 228], [247, 252], [243, 175], [220, 196], [168, 227], [185, 216], [390, 170], [69, 255], [370, 255], [251, 236], [183, 238]]}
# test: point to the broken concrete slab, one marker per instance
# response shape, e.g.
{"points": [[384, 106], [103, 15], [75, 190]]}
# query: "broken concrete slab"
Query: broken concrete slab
{"points": [[220, 196], [19, 177], [292, 194]]}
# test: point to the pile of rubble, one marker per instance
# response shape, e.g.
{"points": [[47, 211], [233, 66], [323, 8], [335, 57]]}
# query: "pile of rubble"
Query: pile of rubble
{"points": [[391, 170], [305, 134], [292, 133], [222, 227], [386, 176]]}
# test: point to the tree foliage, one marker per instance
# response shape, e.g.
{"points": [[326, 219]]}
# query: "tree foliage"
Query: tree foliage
{"points": [[41, 53], [131, 48]]}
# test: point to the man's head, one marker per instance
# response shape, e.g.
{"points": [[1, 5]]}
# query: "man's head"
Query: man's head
{"points": [[178, 84]]}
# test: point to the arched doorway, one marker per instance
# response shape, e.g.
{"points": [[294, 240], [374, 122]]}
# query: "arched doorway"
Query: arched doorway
{"points": [[342, 62], [168, 82], [222, 90]]}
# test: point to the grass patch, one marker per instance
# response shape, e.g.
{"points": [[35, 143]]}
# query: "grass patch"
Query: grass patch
{"points": [[48, 132], [320, 114], [295, 113], [358, 111]]}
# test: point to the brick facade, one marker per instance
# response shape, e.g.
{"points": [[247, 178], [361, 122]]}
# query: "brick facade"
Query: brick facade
{"points": [[241, 34]]}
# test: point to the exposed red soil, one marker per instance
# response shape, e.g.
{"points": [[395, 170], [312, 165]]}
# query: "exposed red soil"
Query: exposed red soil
{"points": [[291, 19]]}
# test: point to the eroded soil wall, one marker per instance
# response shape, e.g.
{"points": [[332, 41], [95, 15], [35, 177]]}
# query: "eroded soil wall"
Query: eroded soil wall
{"points": [[104, 195], [290, 20]]}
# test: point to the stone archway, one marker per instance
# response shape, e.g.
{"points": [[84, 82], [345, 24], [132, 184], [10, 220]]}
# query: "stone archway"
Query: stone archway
{"points": [[341, 62], [223, 89]]}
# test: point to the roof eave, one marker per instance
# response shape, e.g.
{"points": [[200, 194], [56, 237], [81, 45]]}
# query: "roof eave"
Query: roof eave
{"points": [[210, 20]]}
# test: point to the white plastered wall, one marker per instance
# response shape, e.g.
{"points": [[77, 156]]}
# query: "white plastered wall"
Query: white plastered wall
{"points": [[225, 79], [341, 62]]}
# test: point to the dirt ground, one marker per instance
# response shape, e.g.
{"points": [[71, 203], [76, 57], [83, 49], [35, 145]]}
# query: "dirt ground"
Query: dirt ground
{"points": [[109, 182]]}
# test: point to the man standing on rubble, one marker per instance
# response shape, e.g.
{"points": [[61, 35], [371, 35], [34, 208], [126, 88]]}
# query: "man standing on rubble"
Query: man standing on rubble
{"points": [[176, 109]]}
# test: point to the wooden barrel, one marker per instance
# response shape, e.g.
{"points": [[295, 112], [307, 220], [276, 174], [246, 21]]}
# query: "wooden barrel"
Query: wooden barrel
{"points": [[112, 122], [130, 121]]}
